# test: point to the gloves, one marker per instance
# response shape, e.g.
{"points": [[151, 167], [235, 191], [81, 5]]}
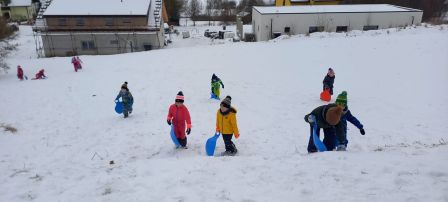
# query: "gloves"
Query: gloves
{"points": [[311, 118], [169, 122], [237, 136], [362, 131], [188, 131]]}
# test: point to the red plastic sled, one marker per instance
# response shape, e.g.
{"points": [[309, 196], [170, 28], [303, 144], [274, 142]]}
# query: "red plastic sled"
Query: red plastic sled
{"points": [[325, 95]]}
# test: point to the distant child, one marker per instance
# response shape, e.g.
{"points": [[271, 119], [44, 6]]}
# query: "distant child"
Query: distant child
{"points": [[329, 80], [328, 118], [76, 63], [227, 125], [79, 62], [179, 116], [40, 75], [20, 72], [216, 85], [126, 99]]}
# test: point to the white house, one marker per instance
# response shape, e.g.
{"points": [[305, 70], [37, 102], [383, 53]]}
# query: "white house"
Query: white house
{"points": [[269, 22]]}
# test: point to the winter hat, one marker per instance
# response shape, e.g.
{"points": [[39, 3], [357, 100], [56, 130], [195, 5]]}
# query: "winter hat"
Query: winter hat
{"points": [[330, 71], [333, 115], [180, 97], [342, 99], [227, 102], [125, 85]]}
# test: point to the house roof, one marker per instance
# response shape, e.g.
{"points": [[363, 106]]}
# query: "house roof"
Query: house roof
{"points": [[354, 8], [16, 3], [98, 7]]}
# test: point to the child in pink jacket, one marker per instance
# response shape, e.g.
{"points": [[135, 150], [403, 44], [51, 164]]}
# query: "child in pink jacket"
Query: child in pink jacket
{"points": [[179, 116]]}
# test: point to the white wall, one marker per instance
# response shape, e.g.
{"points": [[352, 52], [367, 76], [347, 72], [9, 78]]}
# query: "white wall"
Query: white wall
{"points": [[300, 23]]}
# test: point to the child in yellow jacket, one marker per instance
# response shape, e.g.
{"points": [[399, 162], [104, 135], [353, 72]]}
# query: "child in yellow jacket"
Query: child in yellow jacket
{"points": [[226, 125]]}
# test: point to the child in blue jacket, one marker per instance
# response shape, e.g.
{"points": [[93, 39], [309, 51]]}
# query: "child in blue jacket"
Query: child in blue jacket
{"points": [[126, 98], [330, 141]]}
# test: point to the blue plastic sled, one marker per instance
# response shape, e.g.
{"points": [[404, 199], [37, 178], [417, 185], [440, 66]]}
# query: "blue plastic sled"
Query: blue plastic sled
{"points": [[213, 96], [317, 142], [118, 107], [210, 145], [173, 137]]}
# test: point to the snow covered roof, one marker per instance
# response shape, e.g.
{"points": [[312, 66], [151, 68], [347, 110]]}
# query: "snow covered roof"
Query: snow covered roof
{"points": [[98, 7], [19, 3], [358, 8]]}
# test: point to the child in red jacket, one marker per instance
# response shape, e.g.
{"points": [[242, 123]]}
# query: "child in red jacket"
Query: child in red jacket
{"points": [[179, 116], [20, 72], [40, 75]]}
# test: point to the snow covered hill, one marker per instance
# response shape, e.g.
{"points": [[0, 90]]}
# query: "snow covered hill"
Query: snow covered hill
{"points": [[67, 130]]}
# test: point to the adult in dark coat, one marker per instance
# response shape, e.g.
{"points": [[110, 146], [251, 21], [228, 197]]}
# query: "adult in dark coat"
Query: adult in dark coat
{"points": [[328, 118], [329, 80]]}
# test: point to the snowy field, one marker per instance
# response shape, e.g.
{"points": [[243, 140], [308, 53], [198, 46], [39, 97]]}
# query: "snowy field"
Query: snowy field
{"points": [[68, 132]]}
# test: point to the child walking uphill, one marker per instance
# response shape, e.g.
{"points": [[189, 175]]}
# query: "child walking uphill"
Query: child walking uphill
{"points": [[76, 61], [179, 116], [329, 80], [341, 100], [216, 85], [126, 98], [20, 72], [226, 124]]}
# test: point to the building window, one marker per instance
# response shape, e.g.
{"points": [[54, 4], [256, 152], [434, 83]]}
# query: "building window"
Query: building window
{"points": [[109, 21], [341, 29], [88, 45], [147, 47], [287, 29], [316, 29], [370, 27], [127, 20], [114, 42], [62, 22], [80, 22]]}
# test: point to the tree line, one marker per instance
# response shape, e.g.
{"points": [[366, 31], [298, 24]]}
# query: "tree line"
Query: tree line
{"points": [[213, 10], [226, 10]]}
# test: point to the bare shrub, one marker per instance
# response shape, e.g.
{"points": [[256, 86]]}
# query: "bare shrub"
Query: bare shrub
{"points": [[8, 128]]}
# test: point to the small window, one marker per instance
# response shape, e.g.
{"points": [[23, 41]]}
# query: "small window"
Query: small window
{"points": [[147, 47], [127, 21], [114, 42], [287, 29], [341, 29], [62, 22], [316, 29], [80, 22], [88, 45], [109, 21], [370, 27]]}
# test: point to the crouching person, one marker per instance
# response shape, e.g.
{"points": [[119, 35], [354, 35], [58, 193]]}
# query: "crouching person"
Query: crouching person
{"points": [[328, 118]]}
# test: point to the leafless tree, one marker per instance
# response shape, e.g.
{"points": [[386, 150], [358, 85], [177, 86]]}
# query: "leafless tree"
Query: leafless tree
{"points": [[194, 10]]}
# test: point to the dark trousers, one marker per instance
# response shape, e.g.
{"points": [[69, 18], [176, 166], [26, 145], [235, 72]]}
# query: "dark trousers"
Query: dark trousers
{"points": [[182, 142], [330, 140], [228, 142], [331, 89]]}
